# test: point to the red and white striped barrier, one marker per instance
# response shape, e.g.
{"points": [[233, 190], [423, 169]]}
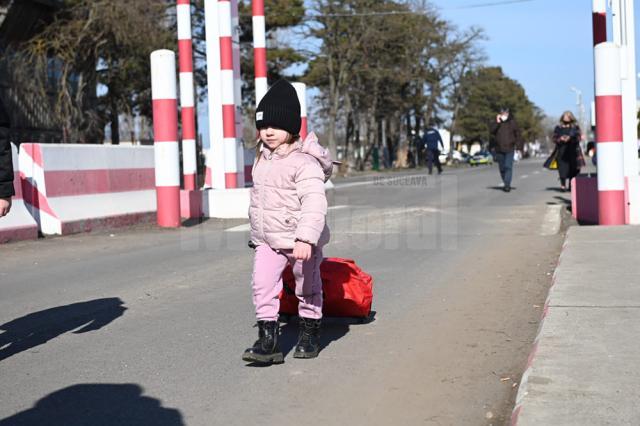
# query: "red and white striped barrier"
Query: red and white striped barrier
{"points": [[301, 91], [237, 85], [19, 224], [228, 95], [215, 172], [165, 133], [259, 49], [599, 20], [187, 101], [611, 182], [72, 188]]}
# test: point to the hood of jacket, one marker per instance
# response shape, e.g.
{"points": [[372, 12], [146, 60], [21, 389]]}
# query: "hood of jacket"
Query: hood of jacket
{"points": [[309, 145]]}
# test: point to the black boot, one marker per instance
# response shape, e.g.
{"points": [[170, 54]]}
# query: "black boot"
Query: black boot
{"points": [[266, 349], [308, 345]]}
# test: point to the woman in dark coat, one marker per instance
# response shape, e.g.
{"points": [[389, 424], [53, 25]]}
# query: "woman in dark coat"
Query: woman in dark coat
{"points": [[567, 137]]}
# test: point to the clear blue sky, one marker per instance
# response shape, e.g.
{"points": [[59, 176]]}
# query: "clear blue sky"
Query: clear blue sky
{"points": [[544, 44]]}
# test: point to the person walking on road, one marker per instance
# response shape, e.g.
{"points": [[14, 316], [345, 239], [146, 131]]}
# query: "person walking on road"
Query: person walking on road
{"points": [[6, 165], [506, 138], [287, 213], [568, 154], [433, 142]]}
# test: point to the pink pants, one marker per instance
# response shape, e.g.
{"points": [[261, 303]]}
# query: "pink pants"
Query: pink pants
{"points": [[267, 282]]}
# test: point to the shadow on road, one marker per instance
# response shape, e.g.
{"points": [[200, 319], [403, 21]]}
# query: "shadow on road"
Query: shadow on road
{"points": [[97, 405], [39, 327], [329, 332], [561, 201], [190, 223], [555, 189], [333, 329], [500, 188]]}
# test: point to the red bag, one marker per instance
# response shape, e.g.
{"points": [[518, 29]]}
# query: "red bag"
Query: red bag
{"points": [[347, 290]]}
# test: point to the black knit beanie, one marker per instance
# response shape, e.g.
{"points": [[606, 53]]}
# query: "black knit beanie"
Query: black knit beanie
{"points": [[280, 108]]}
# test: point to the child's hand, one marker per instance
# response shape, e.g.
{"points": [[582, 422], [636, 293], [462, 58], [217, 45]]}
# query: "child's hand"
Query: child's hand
{"points": [[302, 250]]}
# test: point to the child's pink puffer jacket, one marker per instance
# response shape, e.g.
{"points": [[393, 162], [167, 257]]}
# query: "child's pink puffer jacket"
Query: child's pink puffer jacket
{"points": [[288, 200]]}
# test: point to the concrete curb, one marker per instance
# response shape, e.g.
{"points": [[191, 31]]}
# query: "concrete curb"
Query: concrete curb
{"points": [[582, 368], [524, 381]]}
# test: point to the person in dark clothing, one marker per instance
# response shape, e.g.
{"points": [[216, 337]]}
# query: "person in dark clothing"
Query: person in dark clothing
{"points": [[432, 142], [568, 154], [506, 138], [6, 165]]}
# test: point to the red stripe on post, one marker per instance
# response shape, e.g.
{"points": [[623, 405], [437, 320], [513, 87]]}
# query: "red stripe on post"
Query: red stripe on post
{"points": [[208, 178], [611, 207], [228, 121], [226, 53], [190, 182], [231, 180], [168, 198], [303, 128], [185, 55], [609, 113], [165, 120], [260, 61], [184, 2], [599, 28], [257, 7], [188, 123]]}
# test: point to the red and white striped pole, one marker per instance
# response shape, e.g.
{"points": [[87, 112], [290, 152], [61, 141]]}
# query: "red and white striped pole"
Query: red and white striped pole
{"points": [[187, 103], [228, 95], [237, 85], [259, 49], [301, 91], [214, 177], [599, 19], [165, 133], [611, 200]]}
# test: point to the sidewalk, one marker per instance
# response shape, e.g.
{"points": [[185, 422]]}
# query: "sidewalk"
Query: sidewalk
{"points": [[583, 368]]}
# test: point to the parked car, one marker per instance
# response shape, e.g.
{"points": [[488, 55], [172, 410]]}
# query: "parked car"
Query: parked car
{"points": [[481, 157]]}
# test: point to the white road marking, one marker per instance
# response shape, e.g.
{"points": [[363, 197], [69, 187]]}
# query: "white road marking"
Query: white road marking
{"points": [[350, 185], [240, 228]]}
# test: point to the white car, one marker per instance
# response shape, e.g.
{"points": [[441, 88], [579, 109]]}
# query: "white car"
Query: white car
{"points": [[456, 158]]}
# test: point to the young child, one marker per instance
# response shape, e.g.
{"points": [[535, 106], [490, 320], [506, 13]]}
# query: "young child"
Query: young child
{"points": [[287, 215]]}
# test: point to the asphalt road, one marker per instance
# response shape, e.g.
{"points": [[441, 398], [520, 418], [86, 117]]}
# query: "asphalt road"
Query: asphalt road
{"points": [[147, 326]]}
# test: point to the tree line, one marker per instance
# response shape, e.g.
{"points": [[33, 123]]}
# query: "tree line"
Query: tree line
{"points": [[382, 68]]}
